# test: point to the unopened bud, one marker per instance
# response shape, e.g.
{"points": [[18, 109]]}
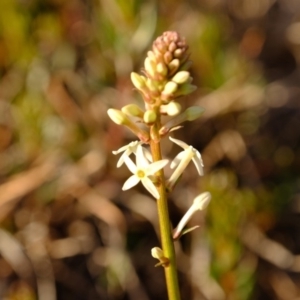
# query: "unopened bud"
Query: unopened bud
{"points": [[162, 69], [168, 57], [152, 86], [172, 47], [181, 77], [117, 116], [178, 52], [171, 109], [132, 110], [138, 80], [120, 118], [149, 67], [157, 253], [170, 88], [173, 66], [150, 117], [151, 55]]}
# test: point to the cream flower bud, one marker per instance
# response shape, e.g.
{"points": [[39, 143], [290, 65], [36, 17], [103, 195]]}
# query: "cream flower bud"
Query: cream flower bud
{"points": [[157, 253], [149, 67], [162, 69], [173, 66], [117, 116], [171, 109], [170, 88], [121, 119], [132, 110], [168, 57], [178, 53], [172, 47], [152, 86], [181, 77], [150, 116], [151, 55], [138, 80], [174, 108]]}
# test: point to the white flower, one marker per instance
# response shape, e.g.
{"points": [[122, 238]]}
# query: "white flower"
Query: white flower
{"points": [[141, 172], [128, 150], [188, 153], [182, 160], [199, 203]]}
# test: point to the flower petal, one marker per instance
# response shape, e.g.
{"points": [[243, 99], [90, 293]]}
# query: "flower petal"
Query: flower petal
{"points": [[130, 182], [147, 154], [121, 159], [130, 164], [127, 150], [141, 160], [154, 167], [197, 160], [179, 143], [201, 201], [151, 188], [177, 159], [120, 150]]}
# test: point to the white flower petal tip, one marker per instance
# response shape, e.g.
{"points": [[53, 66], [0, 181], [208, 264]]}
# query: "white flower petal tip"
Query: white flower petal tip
{"points": [[202, 201], [179, 143]]}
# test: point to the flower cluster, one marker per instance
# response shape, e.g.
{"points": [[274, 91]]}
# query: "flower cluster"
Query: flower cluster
{"points": [[165, 79], [166, 71]]}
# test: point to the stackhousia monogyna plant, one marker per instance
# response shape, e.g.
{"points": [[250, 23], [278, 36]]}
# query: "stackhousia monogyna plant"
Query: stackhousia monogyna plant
{"points": [[166, 78]]}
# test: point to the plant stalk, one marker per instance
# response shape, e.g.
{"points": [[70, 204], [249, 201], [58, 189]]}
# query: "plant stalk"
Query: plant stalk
{"points": [[164, 224]]}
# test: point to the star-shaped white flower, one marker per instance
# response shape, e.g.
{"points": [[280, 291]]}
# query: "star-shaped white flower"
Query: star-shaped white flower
{"points": [[182, 160], [199, 203], [128, 150], [189, 153], [141, 172]]}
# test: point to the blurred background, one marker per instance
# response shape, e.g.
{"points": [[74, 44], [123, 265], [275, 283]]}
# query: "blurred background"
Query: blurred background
{"points": [[67, 231]]}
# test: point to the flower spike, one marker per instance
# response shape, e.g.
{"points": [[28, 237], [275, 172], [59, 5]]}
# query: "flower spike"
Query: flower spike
{"points": [[165, 79]]}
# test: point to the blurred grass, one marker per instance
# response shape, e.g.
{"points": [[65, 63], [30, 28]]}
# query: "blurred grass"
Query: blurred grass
{"points": [[67, 231]]}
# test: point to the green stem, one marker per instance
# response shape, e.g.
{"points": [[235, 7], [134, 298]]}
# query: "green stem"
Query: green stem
{"points": [[165, 228]]}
